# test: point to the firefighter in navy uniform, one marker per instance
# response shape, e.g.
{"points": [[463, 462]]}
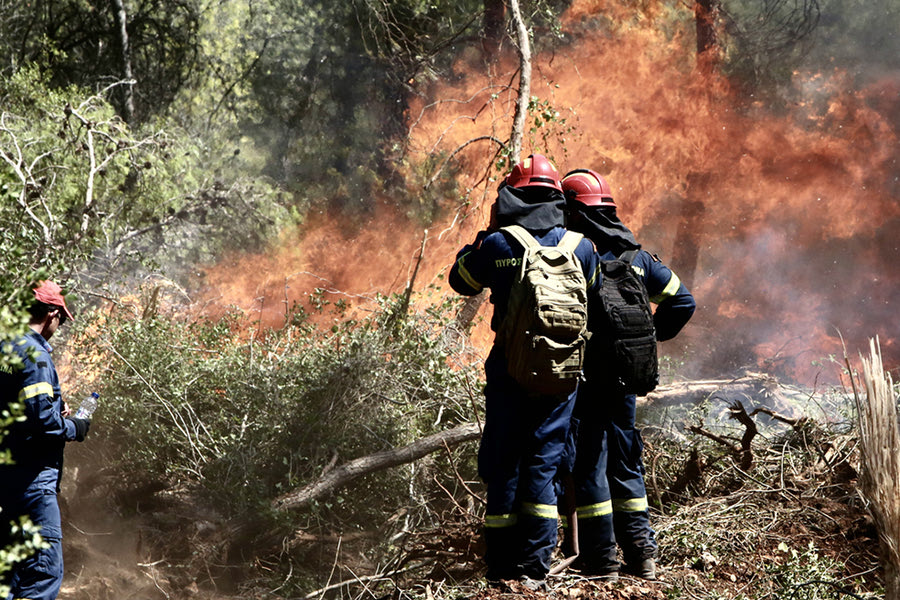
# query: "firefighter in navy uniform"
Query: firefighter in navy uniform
{"points": [[524, 433], [609, 473], [30, 485]]}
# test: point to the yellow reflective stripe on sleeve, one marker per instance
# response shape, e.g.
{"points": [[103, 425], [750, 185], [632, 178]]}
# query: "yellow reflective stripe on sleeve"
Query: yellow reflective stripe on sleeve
{"points": [[467, 277], [593, 278], [671, 289], [595, 510], [497, 521], [630, 504], [543, 511], [35, 390]]}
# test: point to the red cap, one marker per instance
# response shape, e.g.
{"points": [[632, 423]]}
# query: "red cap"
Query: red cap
{"points": [[50, 293]]}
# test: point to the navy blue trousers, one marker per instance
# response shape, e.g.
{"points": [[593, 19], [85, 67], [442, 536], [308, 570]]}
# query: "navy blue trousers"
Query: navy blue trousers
{"points": [[39, 576], [608, 474], [626, 482], [522, 447]]}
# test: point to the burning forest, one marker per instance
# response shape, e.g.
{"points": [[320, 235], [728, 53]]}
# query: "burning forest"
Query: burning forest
{"points": [[780, 221], [291, 393]]}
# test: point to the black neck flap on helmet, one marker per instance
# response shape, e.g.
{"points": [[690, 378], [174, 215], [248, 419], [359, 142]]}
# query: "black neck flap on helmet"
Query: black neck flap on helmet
{"points": [[536, 208], [601, 225]]}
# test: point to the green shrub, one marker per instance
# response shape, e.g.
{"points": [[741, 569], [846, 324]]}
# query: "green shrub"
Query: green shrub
{"points": [[248, 414]]}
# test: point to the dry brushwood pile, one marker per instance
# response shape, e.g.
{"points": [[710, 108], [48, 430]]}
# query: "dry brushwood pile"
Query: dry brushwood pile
{"points": [[754, 493], [768, 507]]}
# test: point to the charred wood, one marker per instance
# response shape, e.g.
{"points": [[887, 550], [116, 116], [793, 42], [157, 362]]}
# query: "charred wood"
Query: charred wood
{"points": [[689, 478]]}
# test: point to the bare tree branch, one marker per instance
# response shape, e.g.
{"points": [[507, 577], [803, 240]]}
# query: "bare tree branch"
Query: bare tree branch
{"points": [[375, 462], [524, 45]]}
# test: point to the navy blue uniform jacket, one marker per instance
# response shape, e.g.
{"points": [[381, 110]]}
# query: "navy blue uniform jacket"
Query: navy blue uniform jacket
{"points": [[494, 259], [38, 442]]}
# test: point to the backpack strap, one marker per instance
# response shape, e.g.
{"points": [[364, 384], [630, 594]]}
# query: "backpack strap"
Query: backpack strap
{"points": [[570, 241], [522, 236], [628, 256]]}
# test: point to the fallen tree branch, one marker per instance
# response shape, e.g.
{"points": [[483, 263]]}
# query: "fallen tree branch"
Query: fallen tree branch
{"points": [[767, 395], [744, 451], [375, 462], [795, 423], [359, 580], [719, 439], [690, 392], [739, 413]]}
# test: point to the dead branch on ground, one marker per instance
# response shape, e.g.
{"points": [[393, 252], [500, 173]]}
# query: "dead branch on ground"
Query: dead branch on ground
{"points": [[744, 451], [375, 462]]}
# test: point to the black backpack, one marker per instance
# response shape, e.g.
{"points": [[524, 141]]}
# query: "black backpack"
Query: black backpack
{"points": [[622, 347]]}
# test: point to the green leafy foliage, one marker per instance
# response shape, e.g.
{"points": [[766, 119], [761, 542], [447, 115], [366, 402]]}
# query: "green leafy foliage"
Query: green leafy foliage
{"points": [[807, 574], [248, 414], [78, 43], [79, 188], [349, 67], [28, 542], [80, 185]]}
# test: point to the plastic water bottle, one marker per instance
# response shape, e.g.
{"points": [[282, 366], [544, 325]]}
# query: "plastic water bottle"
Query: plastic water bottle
{"points": [[88, 406]]}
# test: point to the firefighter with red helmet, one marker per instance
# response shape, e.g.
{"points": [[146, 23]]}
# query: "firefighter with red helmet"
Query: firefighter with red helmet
{"points": [[525, 433], [608, 472]]}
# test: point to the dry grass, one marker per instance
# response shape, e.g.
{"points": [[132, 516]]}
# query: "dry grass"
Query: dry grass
{"points": [[880, 448]]}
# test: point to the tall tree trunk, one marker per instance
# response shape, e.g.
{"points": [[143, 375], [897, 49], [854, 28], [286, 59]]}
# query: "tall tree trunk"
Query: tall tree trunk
{"points": [[515, 140], [706, 13], [686, 251], [122, 30], [470, 308], [494, 27]]}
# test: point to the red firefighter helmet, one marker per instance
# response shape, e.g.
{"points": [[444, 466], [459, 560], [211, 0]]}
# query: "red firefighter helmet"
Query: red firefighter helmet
{"points": [[587, 187], [536, 170]]}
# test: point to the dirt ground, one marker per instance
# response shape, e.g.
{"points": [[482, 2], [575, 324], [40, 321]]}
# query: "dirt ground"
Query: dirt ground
{"points": [[751, 543], [794, 526]]}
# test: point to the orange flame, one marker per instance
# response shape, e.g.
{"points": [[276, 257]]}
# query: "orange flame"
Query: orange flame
{"points": [[783, 224]]}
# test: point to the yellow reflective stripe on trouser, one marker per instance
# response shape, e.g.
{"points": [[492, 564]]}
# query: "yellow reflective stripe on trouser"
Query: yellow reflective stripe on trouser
{"points": [[543, 511], [670, 290], [497, 521], [594, 510], [630, 504], [467, 277], [35, 390]]}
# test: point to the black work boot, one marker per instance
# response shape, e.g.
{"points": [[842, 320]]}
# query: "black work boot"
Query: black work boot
{"points": [[645, 569]]}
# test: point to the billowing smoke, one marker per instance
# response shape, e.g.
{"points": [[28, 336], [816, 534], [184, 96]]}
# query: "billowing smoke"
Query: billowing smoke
{"points": [[781, 217]]}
